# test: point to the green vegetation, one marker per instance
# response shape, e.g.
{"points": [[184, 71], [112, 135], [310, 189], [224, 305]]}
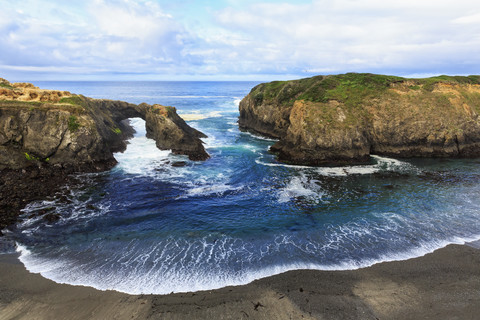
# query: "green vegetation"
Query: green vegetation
{"points": [[429, 83], [41, 105], [75, 100], [351, 89], [116, 130], [78, 102], [473, 99], [17, 103], [6, 85], [73, 124], [30, 157]]}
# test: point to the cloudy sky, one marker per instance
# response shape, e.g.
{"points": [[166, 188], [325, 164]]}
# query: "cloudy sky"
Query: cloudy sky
{"points": [[235, 39]]}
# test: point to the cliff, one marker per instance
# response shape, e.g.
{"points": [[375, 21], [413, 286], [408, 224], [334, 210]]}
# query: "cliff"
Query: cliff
{"points": [[343, 119], [59, 128], [45, 135]]}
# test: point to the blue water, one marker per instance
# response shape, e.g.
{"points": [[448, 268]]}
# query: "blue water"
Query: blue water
{"points": [[149, 227]]}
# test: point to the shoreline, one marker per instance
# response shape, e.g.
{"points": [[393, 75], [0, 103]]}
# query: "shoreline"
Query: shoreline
{"points": [[444, 284]]}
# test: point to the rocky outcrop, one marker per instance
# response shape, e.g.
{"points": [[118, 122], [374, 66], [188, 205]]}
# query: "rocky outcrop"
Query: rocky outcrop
{"points": [[47, 127], [45, 135], [169, 131], [28, 92], [343, 119]]}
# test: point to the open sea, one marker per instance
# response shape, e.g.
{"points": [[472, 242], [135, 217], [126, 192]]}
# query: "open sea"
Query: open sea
{"points": [[148, 227]]}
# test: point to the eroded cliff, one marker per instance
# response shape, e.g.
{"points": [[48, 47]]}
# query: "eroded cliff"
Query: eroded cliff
{"points": [[45, 135], [342, 119], [58, 128]]}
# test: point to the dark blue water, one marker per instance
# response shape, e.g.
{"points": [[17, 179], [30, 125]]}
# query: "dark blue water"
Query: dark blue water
{"points": [[146, 226]]}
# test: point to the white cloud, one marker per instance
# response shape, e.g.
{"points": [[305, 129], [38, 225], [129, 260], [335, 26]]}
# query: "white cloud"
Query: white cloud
{"points": [[358, 35], [117, 35], [469, 19], [324, 36]]}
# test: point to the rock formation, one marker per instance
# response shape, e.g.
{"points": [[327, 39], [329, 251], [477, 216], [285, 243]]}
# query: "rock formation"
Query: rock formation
{"points": [[343, 119], [58, 128], [45, 135]]}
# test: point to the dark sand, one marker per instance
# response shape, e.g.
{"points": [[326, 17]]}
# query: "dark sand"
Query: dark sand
{"points": [[441, 285]]}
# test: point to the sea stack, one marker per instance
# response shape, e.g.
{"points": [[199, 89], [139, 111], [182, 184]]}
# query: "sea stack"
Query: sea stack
{"points": [[343, 119]]}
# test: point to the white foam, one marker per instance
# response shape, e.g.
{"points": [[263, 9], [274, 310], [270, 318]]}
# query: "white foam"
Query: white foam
{"points": [[259, 137], [272, 164], [159, 271], [383, 164], [214, 114], [237, 102], [205, 190], [142, 156], [300, 186]]}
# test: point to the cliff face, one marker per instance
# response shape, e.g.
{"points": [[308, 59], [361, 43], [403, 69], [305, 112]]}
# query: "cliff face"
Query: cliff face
{"points": [[45, 135], [169, 131], [53, 127], [345, 118]]}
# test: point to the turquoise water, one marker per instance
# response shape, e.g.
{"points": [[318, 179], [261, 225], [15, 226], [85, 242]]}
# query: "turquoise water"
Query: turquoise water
{"points": [[149, 227]]}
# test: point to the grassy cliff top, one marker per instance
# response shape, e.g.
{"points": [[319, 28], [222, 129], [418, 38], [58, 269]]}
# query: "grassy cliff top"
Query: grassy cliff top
{"points": [[350, 88]]}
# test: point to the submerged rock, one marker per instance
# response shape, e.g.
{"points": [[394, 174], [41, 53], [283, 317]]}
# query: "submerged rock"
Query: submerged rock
{"points": [[179, 164], [343, 119]]}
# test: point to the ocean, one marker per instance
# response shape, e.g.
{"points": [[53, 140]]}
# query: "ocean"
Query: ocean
{"points": [[149, 227]]}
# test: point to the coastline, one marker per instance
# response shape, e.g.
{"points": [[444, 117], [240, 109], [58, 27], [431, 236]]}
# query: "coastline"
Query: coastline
{"points": [[444, 284]]}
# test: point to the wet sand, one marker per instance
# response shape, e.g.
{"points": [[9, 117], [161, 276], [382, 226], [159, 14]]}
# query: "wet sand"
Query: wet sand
{"points": [[441, 285]]}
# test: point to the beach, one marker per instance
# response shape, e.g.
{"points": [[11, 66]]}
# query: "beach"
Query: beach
{"points": [[444, 284]]}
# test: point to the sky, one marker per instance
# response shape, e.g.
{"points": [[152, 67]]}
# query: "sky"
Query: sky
{"points": [[236, 39]]}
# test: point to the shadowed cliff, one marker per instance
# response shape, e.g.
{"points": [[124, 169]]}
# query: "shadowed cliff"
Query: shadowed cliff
{"points": [[342, 119]]}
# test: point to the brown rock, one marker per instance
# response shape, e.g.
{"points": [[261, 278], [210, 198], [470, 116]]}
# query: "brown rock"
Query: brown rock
{"points": [[343, 119]]}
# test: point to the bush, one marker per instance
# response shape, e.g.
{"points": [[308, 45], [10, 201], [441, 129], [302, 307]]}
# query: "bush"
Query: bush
{"points": [[73, 124]]}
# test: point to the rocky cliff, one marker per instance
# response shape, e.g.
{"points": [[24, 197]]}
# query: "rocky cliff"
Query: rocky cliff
{"points": [[45, 135], [342, 119], [58, 128], [169, 131]]}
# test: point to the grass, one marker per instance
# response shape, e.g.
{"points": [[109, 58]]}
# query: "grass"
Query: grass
{"points": [[17, 103], [73, 124], [30, 157], [116, 130], [74, 100], [5, 85], [428, 84], [351, 89], [473, 99], [357, 94]]}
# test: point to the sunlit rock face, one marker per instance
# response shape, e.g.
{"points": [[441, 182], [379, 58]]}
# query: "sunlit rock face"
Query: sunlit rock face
{"points": [[49, 127], [343, 119]]}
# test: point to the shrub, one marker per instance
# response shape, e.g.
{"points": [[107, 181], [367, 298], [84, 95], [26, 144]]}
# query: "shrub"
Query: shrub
{"points": [[73, 124]]}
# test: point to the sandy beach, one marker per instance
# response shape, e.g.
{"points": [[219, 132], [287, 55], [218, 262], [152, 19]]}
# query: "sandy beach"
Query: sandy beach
{"points": [[442, 285]]}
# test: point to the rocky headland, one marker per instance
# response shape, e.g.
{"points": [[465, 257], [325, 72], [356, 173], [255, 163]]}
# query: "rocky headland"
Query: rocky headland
{"points": [[343, 119], [45, 135]]}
